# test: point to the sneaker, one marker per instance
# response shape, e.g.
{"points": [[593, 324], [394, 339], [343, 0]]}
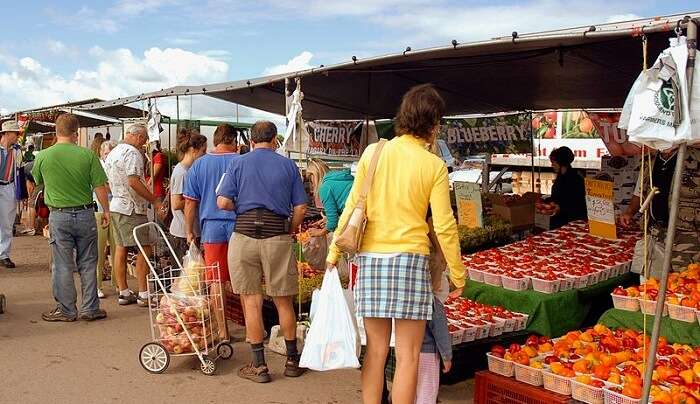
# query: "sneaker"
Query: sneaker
{"points": [[7, 263], [101, 294], [56, 315], [292, 369], [95, 315], [131, 298], [258, 375], [28, 232], [145, 302]]}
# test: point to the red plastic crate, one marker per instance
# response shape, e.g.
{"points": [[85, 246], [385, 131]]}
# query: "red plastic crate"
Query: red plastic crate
{"points": [[490, 388]]}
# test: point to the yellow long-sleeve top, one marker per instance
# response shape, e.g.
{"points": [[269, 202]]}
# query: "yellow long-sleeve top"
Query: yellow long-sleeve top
{"points": [[408, 180]]}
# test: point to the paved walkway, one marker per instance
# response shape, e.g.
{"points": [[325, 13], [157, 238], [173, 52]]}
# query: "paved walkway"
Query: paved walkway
{"points": [[98, 362]]}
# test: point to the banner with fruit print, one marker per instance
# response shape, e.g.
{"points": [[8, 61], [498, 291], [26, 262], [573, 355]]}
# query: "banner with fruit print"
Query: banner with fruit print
{"points": [[335, 138], [491, 134], [601, 208]]}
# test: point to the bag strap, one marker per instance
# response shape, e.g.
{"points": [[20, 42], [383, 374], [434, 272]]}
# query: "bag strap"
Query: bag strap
{"points": [[370, 174]]}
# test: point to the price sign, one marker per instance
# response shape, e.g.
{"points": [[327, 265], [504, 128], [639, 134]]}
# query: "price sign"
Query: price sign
{"points": [[601, 208], [469, 209]]}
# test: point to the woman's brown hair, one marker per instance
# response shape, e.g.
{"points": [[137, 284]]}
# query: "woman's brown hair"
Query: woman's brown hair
{"points": [[420, 111], [96, 145], [187, 138]]}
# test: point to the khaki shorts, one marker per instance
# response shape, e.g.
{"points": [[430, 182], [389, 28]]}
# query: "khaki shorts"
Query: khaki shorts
{"points": [[250, 259], [123, 229]]}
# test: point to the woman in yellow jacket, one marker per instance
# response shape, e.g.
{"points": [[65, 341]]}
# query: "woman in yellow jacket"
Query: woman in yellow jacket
{"points": [[394, 279]]}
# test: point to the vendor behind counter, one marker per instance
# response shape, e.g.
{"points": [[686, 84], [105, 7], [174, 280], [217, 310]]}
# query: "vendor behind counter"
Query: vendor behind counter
{"points": [[568, 190]]}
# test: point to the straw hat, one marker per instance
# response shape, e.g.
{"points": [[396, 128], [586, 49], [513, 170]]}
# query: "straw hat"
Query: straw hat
{"points": [[9, 126]]}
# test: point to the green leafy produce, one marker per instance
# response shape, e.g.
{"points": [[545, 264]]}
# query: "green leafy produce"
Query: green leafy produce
{"points": [[496, 231]]}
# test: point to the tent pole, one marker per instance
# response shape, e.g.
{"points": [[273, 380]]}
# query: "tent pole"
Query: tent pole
{"points": [[671, 231], [286, 111]]}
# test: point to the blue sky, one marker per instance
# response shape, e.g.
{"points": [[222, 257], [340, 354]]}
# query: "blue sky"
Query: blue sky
{"points": [[56, 51]]}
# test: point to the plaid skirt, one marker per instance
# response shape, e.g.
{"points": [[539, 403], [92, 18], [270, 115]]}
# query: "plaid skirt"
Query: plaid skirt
{"points": [[397, 286]]}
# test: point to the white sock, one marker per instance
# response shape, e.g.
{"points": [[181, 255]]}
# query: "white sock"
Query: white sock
{"points": [[125, 292], [143, 295]]}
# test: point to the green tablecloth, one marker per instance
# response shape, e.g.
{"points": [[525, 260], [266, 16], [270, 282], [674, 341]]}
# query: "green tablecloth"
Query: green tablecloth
{"points": [[675, 331], [550, 314]]}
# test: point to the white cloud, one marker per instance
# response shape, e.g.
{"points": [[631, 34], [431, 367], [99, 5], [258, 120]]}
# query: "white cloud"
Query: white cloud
{"points": [[26, 83], [427, 24], [137, 7], [56, 46], [623, 17], [299, 62]]}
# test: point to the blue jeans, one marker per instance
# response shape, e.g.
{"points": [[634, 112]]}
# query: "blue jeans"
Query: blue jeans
{"points": [[74, 247]]}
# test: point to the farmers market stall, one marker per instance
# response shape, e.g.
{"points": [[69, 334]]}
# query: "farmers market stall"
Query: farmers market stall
{"points": [[550, 314], [596, 365], [559, 278], [636, 304], [675, 331]]}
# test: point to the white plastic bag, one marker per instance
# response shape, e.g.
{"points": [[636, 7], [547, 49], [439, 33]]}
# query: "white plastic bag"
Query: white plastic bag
{"points": [[276, 343], [648, 113], [331, 341]]}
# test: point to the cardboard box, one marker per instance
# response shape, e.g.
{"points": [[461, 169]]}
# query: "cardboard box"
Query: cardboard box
{"points": [[519, 211]]}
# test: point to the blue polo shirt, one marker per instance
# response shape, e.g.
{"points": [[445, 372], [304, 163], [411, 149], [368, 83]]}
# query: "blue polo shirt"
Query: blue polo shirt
{"points": [[200, 185], [263, 179]]}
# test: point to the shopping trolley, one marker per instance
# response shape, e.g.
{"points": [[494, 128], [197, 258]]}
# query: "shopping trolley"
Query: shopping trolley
{"points": [[185, 312]]}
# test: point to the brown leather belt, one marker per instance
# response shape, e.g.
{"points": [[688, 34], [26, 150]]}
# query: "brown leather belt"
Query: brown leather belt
{"points": [[261, 223]]}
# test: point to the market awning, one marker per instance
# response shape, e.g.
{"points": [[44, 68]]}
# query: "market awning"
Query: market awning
{"points": [[585, 67]]}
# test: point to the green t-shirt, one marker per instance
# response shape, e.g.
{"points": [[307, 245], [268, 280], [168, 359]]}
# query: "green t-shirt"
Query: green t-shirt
{"points": [[69, 174]]}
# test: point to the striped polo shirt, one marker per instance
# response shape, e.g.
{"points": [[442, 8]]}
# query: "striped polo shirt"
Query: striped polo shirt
{"points": [[7, 165]]}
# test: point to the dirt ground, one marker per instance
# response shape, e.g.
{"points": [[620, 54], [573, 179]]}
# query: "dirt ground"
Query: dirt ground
{"points": [[98, 362]]}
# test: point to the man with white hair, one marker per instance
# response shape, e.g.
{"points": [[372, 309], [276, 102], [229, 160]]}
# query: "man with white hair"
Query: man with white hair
{"points": [[8, 204], [130, 198]]}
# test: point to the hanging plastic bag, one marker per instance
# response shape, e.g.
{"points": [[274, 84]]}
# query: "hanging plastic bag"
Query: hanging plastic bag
{"points": [[315, 251], [331, 341], [188, 282], [656, 112]]}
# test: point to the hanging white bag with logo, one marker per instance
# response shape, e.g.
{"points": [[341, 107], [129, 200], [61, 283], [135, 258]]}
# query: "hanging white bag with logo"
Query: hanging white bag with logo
{"points": [[332, 339], [659, 116]]}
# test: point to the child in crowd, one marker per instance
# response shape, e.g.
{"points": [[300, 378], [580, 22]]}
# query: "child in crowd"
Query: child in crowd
{"points": [[436, 345]]}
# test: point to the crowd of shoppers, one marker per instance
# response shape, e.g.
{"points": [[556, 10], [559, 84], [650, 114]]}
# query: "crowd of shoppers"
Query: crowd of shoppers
{"points": [[244, 209]]}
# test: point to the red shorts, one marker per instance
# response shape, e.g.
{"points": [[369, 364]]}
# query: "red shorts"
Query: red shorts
{"points": [[216, 253]]}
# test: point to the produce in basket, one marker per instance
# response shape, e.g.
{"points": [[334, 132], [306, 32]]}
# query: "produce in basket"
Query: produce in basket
{"points": [[194, 315]]}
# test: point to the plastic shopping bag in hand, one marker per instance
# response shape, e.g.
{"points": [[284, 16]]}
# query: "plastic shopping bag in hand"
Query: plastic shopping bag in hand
{"points": [[331, 341]]}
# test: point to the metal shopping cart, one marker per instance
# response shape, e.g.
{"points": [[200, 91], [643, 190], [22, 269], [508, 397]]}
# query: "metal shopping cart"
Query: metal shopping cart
{"points": [[185, 312]]}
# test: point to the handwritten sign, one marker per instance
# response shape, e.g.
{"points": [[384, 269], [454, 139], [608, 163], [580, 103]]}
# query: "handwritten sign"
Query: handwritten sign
{"points": [[469, 207], [601, 208]]}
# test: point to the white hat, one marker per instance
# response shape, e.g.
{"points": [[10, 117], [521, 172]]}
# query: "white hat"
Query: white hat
{"points": [[9, 126]]}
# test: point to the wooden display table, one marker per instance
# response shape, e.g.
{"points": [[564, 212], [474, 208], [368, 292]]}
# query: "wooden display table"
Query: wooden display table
{"points": [[490, 388]]}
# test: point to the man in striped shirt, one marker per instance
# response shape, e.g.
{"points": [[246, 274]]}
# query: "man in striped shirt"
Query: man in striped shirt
{"points": [[8, 204]]}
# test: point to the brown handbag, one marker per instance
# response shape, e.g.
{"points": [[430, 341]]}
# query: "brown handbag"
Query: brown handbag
{"points": [[350, 238]]}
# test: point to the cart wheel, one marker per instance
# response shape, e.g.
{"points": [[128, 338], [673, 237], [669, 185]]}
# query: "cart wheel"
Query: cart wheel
{"points": [[154, 358], [3, 302], [224, 350], [208, 366]]}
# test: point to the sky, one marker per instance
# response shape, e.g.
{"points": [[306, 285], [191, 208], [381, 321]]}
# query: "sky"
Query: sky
{"points": [[58, 51]]}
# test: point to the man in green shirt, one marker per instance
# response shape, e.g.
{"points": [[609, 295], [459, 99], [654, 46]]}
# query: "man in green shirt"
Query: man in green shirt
{"points": [[70, 174]]}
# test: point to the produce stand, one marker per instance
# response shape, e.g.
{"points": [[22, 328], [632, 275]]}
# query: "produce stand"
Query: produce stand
{"points": [[675, 331], [492, 388], [551, 314]]}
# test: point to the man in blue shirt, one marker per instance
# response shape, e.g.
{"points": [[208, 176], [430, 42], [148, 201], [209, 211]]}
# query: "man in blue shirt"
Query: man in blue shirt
{"points": [[216, 225], [266, 192]]}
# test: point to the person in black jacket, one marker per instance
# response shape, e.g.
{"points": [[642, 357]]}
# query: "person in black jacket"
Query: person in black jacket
{"points": [[568, 191]]}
